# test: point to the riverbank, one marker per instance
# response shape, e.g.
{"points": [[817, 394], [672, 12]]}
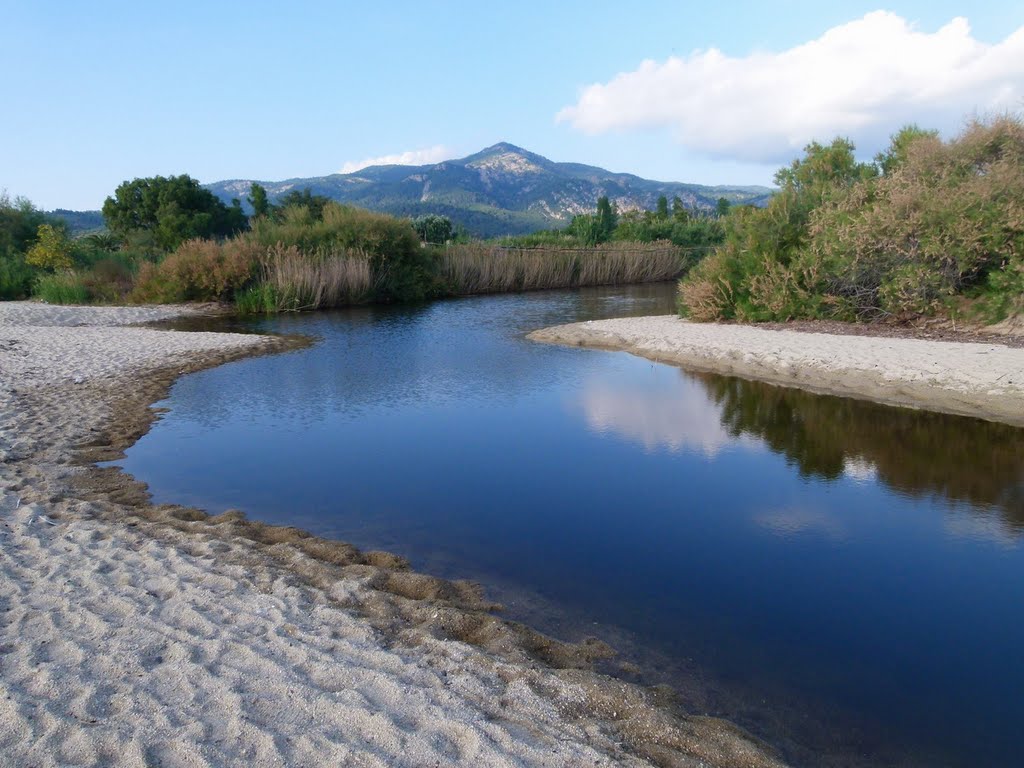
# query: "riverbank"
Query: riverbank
{"points": [[132, 634], [980, 379]]}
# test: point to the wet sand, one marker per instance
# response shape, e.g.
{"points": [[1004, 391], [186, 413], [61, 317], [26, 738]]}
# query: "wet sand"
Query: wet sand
{"points": [[980, 379], [133, 634]]}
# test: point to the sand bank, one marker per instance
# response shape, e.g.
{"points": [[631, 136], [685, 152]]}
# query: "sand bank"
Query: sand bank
{"points": [[985, 380], [140, 635]]}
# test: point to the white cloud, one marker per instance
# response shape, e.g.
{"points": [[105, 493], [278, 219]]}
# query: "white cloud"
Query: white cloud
{"points": [[864, 79], [426, 156]]}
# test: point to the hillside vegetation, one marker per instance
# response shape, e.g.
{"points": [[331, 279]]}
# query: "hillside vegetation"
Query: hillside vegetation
{"points": [[170, 240], [930, 227]]}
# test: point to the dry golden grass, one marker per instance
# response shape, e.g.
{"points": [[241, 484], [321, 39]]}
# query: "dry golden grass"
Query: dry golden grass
{"points": [[294, 281], [483, 268]]}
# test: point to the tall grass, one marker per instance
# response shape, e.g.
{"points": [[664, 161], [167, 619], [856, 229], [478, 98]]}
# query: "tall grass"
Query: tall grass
{"points": [[485, 268], [62, 288], [291, 281]]}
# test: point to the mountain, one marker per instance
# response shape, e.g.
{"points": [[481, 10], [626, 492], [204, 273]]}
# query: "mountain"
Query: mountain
{"points": [[500, 190]]}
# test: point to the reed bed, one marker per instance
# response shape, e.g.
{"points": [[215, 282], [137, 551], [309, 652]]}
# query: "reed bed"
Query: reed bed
{"points": [[292, 281], [482, 268]]}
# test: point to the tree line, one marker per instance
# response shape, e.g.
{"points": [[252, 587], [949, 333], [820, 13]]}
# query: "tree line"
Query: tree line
{"points": [[928, 227]]}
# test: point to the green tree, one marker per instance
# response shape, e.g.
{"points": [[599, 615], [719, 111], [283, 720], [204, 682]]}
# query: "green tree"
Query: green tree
{"points": [[52, 249], [679, 211], [661, 211], [607, 218], [172, 209], [315, 204], [433, 228], [258, 200], [899, 144], [722, 207], [19, 224]]}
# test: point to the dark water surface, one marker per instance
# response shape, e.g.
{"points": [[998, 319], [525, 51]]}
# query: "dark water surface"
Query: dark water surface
{"points": [[844, 579]]}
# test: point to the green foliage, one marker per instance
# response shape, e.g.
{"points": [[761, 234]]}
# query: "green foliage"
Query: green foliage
{"points": [[402, 270], [170, 210], [593, 229], [1002, 294], [944, 222], [258, 299], [52, 249], [722, 207], [99, 242], [661, 211], [607, 218], [15, 277], [258, 200], [78, 223], [19, 224], [61, 288], [433, 228], [313, 204], [899, 145], [679, 212]]}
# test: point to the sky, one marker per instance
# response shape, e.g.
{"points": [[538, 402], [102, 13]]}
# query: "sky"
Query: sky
{"points": [[714, 93]]}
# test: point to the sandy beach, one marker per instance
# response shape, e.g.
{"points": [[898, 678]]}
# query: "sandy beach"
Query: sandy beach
{"points": [[981, 379], [139, 635]]}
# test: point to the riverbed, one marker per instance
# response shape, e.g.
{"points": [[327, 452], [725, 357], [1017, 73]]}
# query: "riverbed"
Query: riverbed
{"points": [[840, 577]]}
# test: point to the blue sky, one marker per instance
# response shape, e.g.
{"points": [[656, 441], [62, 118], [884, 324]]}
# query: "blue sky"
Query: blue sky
{"points": [[96, 93]]}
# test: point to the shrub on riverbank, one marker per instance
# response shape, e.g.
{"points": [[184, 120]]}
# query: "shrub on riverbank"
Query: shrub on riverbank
{"points": [[198, 270], [400, 268], [62, 288], [931, 227]]}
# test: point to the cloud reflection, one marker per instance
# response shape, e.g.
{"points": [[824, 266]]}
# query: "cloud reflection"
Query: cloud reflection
{"points": [[677, 417], [797, 520]]}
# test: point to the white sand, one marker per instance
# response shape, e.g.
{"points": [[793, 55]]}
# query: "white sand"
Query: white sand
{"points": [[129, 641], [972, 379]]}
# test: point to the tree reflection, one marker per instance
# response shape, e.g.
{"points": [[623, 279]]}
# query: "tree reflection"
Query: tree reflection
{"points": [[918, 453]]}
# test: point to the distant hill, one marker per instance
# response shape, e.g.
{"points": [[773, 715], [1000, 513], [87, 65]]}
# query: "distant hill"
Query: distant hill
{"points": [[80, 222], [501, 190]]}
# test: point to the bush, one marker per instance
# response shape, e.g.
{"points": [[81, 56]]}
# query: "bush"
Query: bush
{"points": [[62, 288], [109, 281], [199, 270], [402, 270], [15, 277], [52, 249], [943, 221]]}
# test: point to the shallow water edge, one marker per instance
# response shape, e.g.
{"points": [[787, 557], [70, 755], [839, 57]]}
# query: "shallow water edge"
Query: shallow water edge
{"points": [[401, 605]]}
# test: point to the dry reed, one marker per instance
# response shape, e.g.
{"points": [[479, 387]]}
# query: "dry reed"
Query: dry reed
{"points": [[294, 281], [481, 268]]}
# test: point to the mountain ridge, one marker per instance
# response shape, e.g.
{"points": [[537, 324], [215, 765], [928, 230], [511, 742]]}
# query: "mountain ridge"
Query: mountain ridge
{"points": [[502, 189]]}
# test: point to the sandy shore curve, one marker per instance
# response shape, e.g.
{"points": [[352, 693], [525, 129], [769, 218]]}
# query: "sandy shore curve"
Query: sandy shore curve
{"points": [[984, 380], [138, 635]]}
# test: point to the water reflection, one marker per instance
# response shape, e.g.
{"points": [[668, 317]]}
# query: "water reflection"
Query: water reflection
{"points": [[661, 414], [917, 453], [793, 521]]}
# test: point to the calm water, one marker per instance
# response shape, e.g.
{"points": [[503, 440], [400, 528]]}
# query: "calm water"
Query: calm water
{"points": [[844, 579]]}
